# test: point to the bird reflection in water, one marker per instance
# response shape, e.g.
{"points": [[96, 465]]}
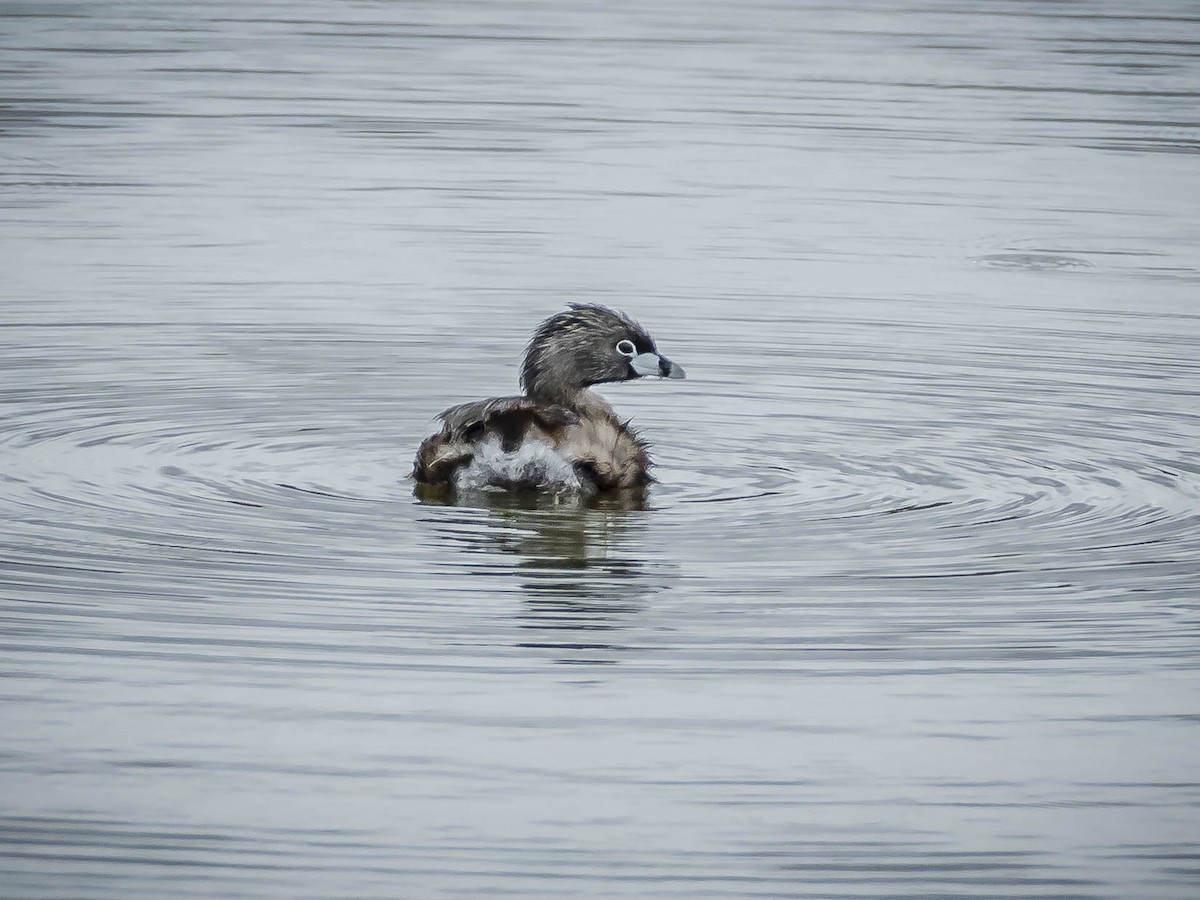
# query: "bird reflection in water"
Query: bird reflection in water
{"points": [[580, 575]]}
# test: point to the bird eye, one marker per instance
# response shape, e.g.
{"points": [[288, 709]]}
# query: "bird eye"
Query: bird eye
{"points": [[626, 348]]}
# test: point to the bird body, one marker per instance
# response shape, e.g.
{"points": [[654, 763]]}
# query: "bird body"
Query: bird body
{"points": [[559, 435]]}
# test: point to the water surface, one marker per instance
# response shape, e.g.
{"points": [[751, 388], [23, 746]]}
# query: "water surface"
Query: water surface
{"points": [[913, 611]]}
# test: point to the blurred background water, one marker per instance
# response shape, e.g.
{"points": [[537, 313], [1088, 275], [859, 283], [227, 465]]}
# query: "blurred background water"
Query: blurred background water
{"points": [[914, 609]]}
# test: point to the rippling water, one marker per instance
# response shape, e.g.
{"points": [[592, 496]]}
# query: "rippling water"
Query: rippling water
{"points": [[914, 609]]}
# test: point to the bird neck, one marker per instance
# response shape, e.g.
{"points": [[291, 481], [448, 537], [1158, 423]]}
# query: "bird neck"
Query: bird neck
{"points": [[558, 394]]}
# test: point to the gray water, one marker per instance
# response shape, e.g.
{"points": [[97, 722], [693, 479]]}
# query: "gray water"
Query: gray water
{"points": [[914, 609]]}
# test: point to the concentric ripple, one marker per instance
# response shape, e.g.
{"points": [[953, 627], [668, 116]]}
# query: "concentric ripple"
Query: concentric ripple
{"points": [[1041, 460]]}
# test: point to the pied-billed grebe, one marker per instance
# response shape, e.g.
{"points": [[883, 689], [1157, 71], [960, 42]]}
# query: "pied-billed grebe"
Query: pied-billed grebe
{"points": [[559, 435]]}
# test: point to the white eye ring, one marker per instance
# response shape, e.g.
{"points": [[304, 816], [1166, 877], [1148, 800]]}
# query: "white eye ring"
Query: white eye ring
{"points": [[626, 348]]}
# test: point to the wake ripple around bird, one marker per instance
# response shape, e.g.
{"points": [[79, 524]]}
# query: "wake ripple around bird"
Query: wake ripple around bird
{"points": [[963, 460], [147, 454]]}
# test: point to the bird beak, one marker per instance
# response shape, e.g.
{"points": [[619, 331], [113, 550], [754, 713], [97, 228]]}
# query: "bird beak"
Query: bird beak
{"points": [[658, 366]]}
